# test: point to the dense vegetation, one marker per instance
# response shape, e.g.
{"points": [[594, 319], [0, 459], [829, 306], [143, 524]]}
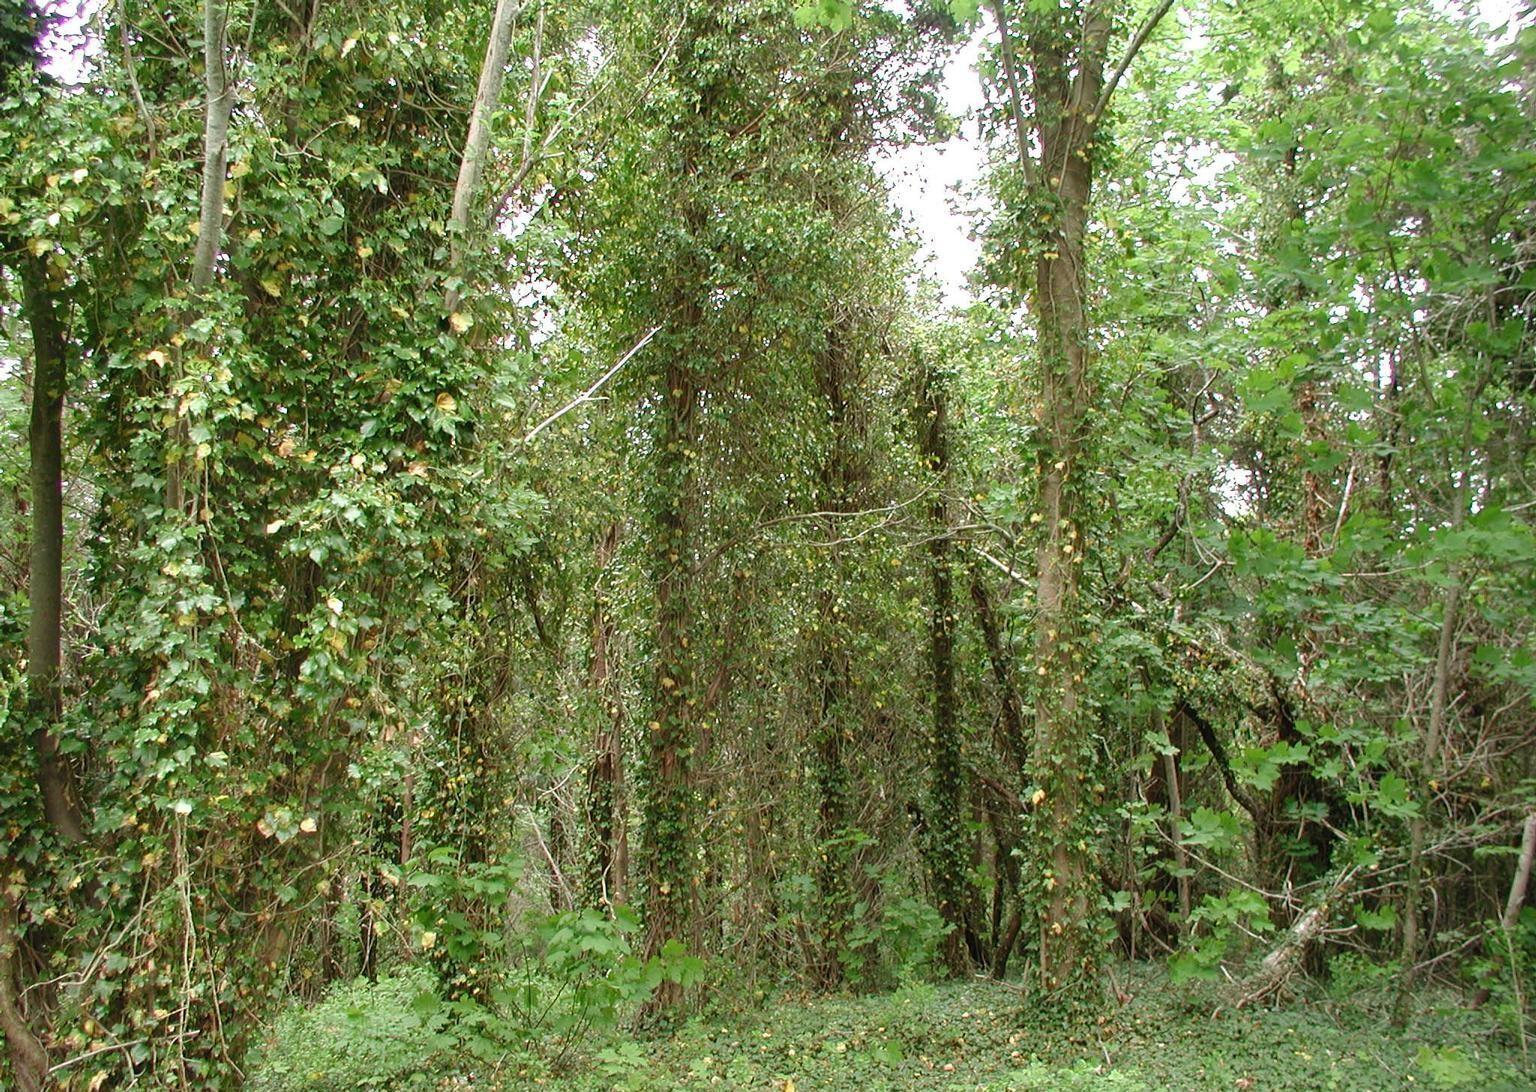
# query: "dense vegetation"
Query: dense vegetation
{"points": [[500, 544]]}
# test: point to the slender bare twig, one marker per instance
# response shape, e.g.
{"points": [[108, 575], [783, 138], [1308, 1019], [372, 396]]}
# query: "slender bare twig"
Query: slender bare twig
{"points": [[588, 394]]}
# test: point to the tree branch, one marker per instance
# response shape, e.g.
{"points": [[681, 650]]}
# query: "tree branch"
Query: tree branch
{"points": [[1130, 55], [1016, 99], [587, 395], [210, 224]]}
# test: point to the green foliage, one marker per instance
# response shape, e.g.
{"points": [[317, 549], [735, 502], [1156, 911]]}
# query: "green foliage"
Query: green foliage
{"points": [[362, 1035], [980, 1035], [343, 644], [901, 945]]}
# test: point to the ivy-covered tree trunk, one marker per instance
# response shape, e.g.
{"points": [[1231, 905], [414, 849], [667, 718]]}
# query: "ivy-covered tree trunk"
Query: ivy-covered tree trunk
{"points": [[946, 845], [50, 349], [668, 805], [1066, 47], [831, 674], [608, 871], [1067, 60]]}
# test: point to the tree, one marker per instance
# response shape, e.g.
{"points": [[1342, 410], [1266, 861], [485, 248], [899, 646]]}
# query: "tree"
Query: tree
{"points": [[1056, 130]]}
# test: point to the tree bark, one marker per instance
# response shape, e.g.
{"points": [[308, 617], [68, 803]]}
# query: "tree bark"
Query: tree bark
{"points": [[29, 1061], [608, 879], [1011, 707], [50, 377], [946, 848], [832, 671], [1284, 960], [477, 143], [669, 812], [1064, 95], [1522, 878], [220, 102]]}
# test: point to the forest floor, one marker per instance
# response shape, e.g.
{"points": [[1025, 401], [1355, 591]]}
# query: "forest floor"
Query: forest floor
{"points": [[1144, 1034], [985, 1036]]}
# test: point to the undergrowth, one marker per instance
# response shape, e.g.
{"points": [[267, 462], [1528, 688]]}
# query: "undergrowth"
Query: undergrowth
{"points": [[977, 1036]]}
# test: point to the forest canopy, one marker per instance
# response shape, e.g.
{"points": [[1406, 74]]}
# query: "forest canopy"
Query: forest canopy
{"points": [[498, 525]]}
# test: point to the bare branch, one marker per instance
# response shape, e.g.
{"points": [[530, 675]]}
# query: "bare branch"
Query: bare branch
{"points": [[1130, 55], [1015, 97], [587, 395]]}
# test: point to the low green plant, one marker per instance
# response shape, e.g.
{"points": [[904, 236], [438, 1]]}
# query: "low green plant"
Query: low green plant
{"points": [[900, 945], [361, 1035], [1218, 921]]}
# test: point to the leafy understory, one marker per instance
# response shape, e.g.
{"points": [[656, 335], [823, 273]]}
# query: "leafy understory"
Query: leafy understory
{"points": [[958, 1037]]}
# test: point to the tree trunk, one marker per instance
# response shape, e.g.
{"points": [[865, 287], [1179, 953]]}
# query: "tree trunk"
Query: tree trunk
{"points": [[218, 104], [838, 379], [45, 576], [1064, 128], [946, 846], [29, 1061], [477, 143], [670, 874], [608, 877]]}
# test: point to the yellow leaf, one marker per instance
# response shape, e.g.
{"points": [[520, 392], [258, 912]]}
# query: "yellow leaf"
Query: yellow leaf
{"points": [[460, 322], [348, 46], [270, 286], [156, 356], [446, 403]]}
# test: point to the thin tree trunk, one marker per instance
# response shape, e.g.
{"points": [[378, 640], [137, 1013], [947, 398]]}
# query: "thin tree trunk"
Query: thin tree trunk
{"points": [[946, 848], [1429, 769], [837, 376], [1522, 878], [46, 574], [29, 1061], [1011, 707], [218, 105], [220, 101], [607, 881], [1175, 819], [493, 73]]}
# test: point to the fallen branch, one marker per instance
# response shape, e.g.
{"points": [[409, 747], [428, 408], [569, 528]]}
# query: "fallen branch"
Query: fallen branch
{"points": [[1282, 963]]}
